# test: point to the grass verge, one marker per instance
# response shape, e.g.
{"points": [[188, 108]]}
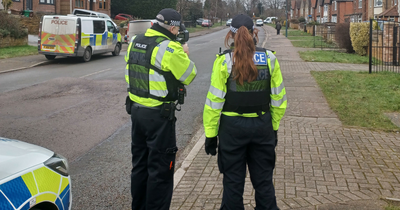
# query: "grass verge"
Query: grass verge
{"points": [[10, 52], [391, 207], [361, 99], [333, 56], [295, 33], [311, 43]]}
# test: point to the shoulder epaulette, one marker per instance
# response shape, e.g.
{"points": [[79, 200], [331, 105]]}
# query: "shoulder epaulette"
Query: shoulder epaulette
{"points": [[225, 52]]}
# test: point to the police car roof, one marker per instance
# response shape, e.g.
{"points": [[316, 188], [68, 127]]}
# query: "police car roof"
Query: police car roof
{"points": [[16, 156]]}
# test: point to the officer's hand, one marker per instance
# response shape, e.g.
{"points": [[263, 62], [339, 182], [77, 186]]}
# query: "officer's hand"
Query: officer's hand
{"points": [[211, 146], [276, 137], [186, 48]]}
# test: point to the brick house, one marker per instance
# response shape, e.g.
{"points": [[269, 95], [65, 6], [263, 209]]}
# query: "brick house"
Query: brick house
{"points": [[62, 7], [334, 9], [298, 8], [359, 13], [391, 14], [302, 8], [319, 11], [313, 10], [344, 10], [305, 10], [293, 9], [326, 13]]}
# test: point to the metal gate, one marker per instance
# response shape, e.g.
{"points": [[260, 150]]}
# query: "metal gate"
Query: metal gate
{"points": [[324, 36], [384, 46]]}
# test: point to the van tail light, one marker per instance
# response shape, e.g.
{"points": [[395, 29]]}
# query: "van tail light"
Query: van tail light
{"points": [[77, 34], [40, 34]]}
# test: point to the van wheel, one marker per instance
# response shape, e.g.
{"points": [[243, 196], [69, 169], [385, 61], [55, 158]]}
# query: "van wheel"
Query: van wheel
{"points": [[117, 50], [50, 57], [87, 55]]}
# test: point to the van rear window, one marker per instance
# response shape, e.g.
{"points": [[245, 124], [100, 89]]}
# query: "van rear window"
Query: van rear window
{"points": [[59, 26], [99, 26]]}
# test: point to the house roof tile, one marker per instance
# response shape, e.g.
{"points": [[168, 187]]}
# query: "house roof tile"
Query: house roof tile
{"points": [[391, 12]]}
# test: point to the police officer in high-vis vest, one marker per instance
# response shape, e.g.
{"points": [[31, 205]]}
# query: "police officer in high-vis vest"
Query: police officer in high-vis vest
{"points": [[157, 70], [247, 88]]}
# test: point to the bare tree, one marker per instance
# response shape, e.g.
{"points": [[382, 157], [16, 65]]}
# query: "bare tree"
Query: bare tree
{"points": [[275, 7]]}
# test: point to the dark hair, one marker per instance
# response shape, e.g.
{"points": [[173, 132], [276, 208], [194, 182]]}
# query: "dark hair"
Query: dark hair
{"points": [[244, 68]]}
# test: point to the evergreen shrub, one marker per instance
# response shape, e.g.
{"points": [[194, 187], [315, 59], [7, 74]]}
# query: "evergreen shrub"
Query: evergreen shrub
{"points": [[359, 34]]}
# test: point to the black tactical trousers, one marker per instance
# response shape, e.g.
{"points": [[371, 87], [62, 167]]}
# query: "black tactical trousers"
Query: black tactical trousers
{"points": [[248, 140], [153, 159]]}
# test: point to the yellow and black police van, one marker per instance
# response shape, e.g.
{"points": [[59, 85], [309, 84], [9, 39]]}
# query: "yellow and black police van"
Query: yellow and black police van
{"points": [[32, 178], [78, 35]]}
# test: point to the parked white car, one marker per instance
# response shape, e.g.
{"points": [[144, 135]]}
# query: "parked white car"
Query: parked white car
{"points": [[259, 22], [32, 177]]}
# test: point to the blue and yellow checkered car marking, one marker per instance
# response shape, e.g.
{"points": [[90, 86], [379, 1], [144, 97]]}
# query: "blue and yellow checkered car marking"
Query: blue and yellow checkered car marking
{"points": [[43, 184]]}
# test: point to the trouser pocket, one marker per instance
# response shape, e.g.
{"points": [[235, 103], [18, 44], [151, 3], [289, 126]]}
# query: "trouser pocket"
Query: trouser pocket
{"points": [[128, 105]]}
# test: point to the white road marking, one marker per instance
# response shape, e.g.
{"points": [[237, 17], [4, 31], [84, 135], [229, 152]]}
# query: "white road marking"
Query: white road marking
{"points": [[97, 72]]}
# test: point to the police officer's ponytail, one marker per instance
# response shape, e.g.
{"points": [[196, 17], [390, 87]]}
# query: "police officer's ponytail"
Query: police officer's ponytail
{"points": [[244, 68]]}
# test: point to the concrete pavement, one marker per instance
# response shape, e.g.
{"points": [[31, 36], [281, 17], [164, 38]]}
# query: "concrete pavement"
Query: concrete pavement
{"points": [[19, 63], [320, 164]]}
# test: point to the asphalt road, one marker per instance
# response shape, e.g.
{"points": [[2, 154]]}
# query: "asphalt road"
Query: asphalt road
{"points": [[77, 110]]}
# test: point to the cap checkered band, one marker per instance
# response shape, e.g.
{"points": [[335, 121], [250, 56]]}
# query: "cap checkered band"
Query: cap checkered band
{"points": [[233, 29], [175, 23]]}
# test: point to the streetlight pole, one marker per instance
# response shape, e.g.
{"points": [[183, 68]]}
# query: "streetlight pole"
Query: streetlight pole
{"points": [[286, 16]]}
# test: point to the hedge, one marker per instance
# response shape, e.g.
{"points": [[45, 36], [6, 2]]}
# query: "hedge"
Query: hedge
{"points": [[359, 34]]}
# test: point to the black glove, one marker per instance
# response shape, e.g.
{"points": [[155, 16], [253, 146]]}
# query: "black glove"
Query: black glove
{"points": [[211, 145], [276, 137]]}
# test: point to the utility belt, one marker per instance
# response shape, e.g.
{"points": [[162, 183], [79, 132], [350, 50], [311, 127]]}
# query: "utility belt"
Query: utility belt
{"points": [[167, 110], [246, 109]]}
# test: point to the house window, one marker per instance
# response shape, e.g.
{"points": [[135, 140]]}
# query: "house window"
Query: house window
{"points": [[79, 3], [102, 4], [360, 3], [378, 3], [46, 1], [335, 5], [334, 19]]}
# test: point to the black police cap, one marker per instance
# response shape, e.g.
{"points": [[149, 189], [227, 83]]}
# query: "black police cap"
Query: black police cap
{"points": [[241, 20], [169, 16]]}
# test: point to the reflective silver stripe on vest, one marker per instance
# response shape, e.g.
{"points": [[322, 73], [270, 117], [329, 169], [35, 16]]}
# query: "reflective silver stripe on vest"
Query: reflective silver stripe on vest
{"points": [[217, 92], [214, 105], [228, 59], [278, 103], [156, 77], [160, 54], [159, 93], [277, 90], [187, 72], [272, 58]]}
